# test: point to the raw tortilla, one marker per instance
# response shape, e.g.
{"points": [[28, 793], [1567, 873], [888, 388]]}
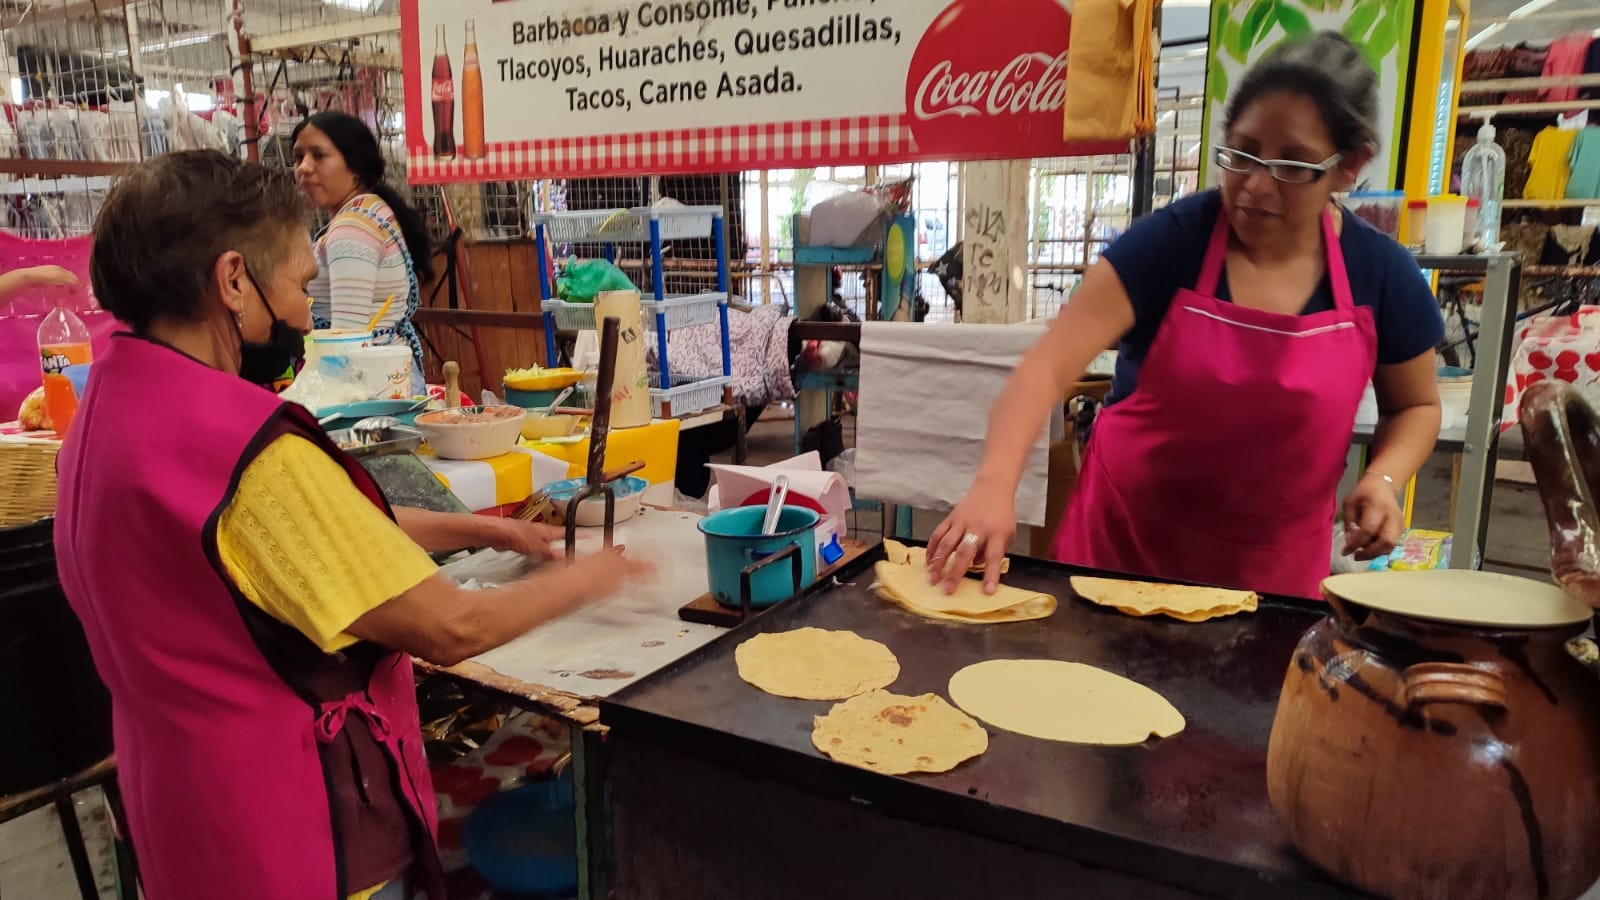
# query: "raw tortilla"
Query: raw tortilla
{"points": [[901, 554], [813, 664], [896, 735], [1063, 701], [1189, 604], [909, 586]]}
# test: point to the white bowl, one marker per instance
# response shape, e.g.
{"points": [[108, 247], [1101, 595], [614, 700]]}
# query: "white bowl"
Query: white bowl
{"points": [[592, 512], [472, 432]]}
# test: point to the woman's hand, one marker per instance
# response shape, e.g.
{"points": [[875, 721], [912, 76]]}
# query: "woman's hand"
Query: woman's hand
{"points": [[1372, 518], [531, 539], [50, 276], [979, 528]]}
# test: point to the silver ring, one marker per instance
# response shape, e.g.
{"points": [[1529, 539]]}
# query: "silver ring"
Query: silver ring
{"points": [[969, 540]]}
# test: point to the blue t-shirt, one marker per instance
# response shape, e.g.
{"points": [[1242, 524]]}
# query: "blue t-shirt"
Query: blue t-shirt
{"points": [[1164, 250]]}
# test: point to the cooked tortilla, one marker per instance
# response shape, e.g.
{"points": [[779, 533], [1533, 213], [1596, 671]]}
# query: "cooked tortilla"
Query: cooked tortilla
{"points": [[1189, 604], [897, 735]]}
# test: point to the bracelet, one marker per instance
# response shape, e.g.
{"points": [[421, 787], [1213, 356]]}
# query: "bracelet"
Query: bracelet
{"points": [[1386, 479]]}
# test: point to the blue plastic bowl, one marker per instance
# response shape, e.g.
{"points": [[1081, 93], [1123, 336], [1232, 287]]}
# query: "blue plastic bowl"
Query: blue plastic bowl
{"points": [[351, 413], [525, 840], [562, 491], [531, 399]]}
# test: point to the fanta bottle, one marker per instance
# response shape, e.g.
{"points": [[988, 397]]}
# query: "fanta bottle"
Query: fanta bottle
{"points": [[63, 342]]}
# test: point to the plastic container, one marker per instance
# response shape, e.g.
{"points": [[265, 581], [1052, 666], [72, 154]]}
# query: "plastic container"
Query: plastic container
{"points": [[682, 311], [1455, 395], [1447, 224], [630, 225], [689, 394], [525, 840], [1381, 209], [1470, 232], [1416, 225], [384, 371], [734, 543], [63, 342], [1483, 178]]}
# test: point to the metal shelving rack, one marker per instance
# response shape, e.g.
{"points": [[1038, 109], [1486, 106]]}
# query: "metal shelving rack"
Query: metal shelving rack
{"points": [[663, 312], [1478, 441]]}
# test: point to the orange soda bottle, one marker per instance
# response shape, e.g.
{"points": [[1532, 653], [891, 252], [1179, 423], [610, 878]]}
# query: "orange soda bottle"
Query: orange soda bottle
{"points": [[471, 98], [63, 342]]}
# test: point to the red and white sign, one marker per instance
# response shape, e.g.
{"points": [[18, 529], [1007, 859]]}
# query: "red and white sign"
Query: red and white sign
{"points": [[665, 86]]}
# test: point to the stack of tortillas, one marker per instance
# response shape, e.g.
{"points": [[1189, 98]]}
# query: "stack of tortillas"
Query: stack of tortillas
{"points": [[897, 735], [1064, 701], [1189, 604], [815, 664], [905, 584]]}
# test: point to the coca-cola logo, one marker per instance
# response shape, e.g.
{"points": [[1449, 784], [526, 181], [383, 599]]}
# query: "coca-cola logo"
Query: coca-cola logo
{"points": [[1031, 82], [444, 89], [985, 65]]}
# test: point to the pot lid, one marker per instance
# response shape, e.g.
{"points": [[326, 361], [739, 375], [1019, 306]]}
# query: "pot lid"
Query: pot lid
{"points": [[1462, 597]]}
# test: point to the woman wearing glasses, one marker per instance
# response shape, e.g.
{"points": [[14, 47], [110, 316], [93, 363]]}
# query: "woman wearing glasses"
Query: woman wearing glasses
{"points": [[1248, 321]]}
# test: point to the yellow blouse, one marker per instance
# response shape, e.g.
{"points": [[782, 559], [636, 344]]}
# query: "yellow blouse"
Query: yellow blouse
{"points": [[303, 543]]}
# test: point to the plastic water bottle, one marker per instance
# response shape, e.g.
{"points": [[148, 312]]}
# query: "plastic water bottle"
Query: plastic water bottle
{"points": [[63, 342], [1483, 178]]}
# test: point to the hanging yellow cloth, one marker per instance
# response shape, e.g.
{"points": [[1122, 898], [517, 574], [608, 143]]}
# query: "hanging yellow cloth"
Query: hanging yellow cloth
{"points": [[1111, 71]]}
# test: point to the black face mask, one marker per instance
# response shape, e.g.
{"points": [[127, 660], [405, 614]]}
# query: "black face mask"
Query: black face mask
{"points": [[269, 362]]}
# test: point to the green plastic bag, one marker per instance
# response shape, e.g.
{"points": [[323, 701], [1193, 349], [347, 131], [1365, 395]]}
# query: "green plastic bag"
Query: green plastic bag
{"points": [[584, 279]]}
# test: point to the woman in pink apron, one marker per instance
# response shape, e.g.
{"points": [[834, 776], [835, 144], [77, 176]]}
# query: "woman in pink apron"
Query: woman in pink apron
{"points": [[1249, 321], [251, 599]]}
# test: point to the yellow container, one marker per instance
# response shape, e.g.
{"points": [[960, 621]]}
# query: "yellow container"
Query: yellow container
{"points": [[656, 444], [545, 380]]}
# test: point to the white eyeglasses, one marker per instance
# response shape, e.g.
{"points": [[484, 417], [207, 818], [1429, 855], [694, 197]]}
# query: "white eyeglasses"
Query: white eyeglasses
{"points": [[1287, 171]]}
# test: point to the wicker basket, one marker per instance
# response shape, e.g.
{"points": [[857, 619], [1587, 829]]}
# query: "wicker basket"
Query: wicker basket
{"points": [[28, 468]]}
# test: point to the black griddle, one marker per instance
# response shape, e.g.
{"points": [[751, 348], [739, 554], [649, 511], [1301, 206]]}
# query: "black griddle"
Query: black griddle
{"points": [[1190, 811]]}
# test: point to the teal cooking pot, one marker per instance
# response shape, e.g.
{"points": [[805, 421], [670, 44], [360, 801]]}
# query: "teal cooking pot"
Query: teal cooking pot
{"points": [[744, 566]]}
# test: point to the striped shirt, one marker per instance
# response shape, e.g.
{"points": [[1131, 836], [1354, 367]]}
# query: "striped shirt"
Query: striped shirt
{"points": [[358, 266]]}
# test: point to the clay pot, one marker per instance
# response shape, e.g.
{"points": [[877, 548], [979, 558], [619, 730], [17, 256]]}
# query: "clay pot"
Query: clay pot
{"points": [[1421, 760], [1561, 433]]}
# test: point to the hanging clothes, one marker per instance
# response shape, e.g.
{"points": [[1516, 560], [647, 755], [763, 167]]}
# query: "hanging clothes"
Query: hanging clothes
{"points": [[1584, 184], [1591, 66], [1526, 61], [1111, 58], [1565, 59], [1552, 164]]}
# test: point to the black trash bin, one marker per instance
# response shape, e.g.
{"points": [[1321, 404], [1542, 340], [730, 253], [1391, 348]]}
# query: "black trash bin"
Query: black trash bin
{"points": [[55, 714]]}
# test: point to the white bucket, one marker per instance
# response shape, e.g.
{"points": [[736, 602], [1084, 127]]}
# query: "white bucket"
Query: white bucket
{"points": [[334, 346], [1455, 399], [383, 371]]}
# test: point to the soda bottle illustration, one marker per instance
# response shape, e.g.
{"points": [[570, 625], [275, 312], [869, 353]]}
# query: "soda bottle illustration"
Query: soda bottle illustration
{"points": [[444, 100], [471, 98]]}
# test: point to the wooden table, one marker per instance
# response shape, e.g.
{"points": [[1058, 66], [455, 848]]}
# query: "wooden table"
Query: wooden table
{"points": [[564, 668]]}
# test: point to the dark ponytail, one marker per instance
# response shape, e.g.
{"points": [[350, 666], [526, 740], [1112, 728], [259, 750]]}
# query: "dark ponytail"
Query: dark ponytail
{"points": [[356, 143]]}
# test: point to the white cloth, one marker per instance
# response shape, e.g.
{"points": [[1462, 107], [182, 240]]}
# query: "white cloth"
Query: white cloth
{"points": [[924, 410]]}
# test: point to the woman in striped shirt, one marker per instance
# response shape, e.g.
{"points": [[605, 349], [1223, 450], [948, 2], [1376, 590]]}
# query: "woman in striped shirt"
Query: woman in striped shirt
{"points": [[375, 246]]}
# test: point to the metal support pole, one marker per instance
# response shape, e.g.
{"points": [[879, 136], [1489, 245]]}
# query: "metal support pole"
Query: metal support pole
{"points": [[1502, 284]]}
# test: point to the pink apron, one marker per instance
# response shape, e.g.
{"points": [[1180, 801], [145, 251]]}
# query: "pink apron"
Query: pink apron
{"points": [[1221, 467]]}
